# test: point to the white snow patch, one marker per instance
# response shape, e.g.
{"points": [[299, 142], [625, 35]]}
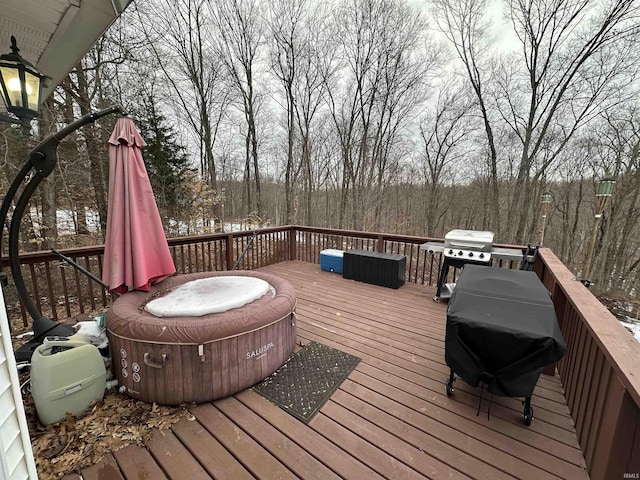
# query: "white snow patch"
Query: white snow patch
{"points": [[208, 295], [634, 326]]}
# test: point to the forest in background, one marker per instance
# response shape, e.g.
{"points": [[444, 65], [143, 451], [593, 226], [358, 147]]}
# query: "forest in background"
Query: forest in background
{"points": [[379, 115]]}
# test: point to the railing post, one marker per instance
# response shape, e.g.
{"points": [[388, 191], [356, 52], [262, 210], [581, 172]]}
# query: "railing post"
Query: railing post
{"points": [[229, 251], [559, 300], [616, 452], [380, 244], [559, 305], [292, 243]]}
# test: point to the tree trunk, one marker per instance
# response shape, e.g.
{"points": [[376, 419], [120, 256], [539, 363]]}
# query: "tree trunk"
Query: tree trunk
{"points": [[98, 159]]}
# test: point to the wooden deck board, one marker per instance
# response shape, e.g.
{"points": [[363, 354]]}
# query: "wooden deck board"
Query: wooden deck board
{"points": [[137, 463], [174, 458], [261, 463], [212, 455], [390, 419], [301, 462], [375, 457], [505, 434], [106, 470], [324, 450]]}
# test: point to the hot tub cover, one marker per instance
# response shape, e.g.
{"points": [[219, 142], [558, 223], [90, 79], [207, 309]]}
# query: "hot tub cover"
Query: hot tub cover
{"points": [[501, 329], [208, 295]]}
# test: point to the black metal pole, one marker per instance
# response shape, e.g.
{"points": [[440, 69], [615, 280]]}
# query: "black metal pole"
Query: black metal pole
{"points": [[244, 252], [6, 203], [14, 234], [80, 268], [43, 159]]}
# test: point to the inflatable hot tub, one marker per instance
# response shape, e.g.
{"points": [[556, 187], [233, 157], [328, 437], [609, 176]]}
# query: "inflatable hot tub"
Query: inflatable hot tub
{"points": [[198, 358]]}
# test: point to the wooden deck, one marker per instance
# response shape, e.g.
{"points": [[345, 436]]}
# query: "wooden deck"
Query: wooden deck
{"points": [[390, 419]]}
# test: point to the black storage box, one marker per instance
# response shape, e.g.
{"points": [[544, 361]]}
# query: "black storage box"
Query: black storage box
{"points": [[384, 269]]}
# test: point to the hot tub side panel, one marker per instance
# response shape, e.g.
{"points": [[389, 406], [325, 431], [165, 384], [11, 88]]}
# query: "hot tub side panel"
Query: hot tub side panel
{"points": [[201, 373]]}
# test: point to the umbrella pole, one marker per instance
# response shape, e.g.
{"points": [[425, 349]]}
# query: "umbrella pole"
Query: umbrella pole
{"points": [[244, 252], [81, 269]]}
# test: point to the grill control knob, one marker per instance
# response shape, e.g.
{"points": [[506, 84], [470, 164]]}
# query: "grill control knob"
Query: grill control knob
{"points": [[460, 253], [482, 255], [450, 252], [470, 254]]}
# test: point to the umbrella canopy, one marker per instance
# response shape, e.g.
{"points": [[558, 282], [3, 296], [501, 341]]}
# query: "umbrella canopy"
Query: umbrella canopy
{"points": [[136, 253]]}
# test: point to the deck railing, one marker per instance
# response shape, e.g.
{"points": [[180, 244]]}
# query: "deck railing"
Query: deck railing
{"points": [[600, 373], [61, 291]]}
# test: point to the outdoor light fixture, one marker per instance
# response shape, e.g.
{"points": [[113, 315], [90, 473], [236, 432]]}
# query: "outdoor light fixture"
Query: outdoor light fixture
{"points": [[21, 86], [605, 190], [222, 199], [546, 202]]}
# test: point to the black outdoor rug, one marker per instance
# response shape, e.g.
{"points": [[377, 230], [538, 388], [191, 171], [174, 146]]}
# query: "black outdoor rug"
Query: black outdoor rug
{"points": [[308, 379]]}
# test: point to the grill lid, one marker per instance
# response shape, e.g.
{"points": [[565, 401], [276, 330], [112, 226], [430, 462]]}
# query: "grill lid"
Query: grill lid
{"points": [[476, 240]]}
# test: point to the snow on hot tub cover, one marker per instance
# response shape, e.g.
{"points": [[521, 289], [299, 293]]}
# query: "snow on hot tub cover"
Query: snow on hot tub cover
{"points": [[208, 295]]}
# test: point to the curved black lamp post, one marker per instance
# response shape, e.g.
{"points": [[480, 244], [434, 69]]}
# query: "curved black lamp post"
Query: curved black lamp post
{"points": [[42, 159], [21, 88]]}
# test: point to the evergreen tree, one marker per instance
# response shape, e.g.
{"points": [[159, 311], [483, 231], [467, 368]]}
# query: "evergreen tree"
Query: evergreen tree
{"points": [[167, 163]]}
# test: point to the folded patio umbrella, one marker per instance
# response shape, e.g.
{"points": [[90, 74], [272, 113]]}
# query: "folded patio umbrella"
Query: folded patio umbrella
{"points": [[136, 252]]}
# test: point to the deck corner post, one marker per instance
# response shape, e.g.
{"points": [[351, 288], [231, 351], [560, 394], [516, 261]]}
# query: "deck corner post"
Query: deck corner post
{"points": [[292, 242], [229, 251]]}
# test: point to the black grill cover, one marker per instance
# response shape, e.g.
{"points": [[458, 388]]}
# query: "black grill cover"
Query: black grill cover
{"points": [[501, 330]]}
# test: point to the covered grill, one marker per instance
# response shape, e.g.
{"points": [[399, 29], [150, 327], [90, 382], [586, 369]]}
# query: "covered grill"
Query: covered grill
{"points": [[501, 332]]}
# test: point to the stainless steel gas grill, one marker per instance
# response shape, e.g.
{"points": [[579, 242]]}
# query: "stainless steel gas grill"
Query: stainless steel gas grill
{"points": [[469, 245], [462, 247]]}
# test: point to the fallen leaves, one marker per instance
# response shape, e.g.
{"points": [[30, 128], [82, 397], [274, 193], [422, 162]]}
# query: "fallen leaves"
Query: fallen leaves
{"points": [[83, 440]]}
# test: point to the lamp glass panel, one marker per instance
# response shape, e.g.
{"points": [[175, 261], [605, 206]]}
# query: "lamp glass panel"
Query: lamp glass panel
{"points": [[32, 83], [11, 80], [605, 189]]}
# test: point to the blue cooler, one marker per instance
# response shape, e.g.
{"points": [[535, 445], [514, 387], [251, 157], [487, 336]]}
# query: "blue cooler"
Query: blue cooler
{"points": [[331, 260]]}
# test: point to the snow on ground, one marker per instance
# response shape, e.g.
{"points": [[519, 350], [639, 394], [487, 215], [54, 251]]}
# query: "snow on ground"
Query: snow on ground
{"points": [[67, 222], [208, 295], [633, 325]]}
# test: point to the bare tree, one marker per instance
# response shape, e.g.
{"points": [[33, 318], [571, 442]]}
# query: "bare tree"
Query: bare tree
{"points": [[464, 24], [49, 226], [180, 34], [298, 58], [443, 132], [285, 23], [85, 86], [384, 69], [618, 146], [240, 23], [575, 56]]}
